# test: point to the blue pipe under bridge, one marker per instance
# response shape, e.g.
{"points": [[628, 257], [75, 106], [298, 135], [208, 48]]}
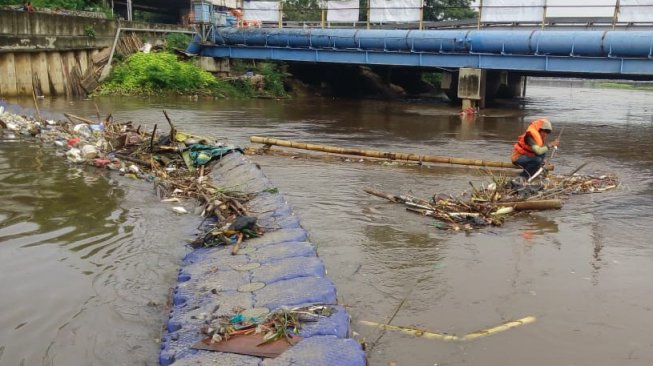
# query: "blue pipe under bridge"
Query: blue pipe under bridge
{"points": [[601, 54]]}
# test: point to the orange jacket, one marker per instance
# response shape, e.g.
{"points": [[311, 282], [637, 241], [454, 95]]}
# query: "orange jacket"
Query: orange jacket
{"points": [[521, 147]]}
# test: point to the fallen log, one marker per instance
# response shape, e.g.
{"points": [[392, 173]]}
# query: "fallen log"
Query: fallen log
{"points": [[381, 154]]}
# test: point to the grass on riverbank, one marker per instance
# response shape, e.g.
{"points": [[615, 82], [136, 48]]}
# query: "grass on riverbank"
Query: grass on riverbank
{"points": [[162, 73], [608, 85]]}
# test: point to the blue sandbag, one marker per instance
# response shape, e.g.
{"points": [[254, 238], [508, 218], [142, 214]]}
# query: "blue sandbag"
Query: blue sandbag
{"points": [[293, 275]]}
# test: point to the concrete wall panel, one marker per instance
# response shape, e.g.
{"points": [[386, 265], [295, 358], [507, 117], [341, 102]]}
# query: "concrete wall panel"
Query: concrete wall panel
{"points": [[55, 73], [68, 64], [22, 24], [23, 64], [70, 60], [34, 23], [7, 23], [40, 69], [82, 56], [7, 75]]}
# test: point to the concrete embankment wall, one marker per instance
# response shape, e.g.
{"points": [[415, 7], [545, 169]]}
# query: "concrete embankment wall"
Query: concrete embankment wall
{"points": [[50, 53], [283, 264]]}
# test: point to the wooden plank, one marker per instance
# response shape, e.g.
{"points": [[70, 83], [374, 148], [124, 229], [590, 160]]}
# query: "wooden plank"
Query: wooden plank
{"points": [[7, 75], [23, 65], [55, 73], [101, 57], [89, 81]]}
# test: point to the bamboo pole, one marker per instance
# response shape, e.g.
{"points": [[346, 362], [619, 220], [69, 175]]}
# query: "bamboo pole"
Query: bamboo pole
{"points": [[36, 105], [387, 196], [533, 205], [72, 116], [380, 154]]}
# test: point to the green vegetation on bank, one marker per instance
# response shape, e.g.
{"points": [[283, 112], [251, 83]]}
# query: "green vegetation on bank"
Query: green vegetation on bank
{"points": [[177, 40], [434, 10], [63, 4], [433, 78], [613, 85], [162, 73]]}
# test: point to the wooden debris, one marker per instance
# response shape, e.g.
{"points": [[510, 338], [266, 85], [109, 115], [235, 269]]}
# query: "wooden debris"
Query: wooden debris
{"points": [[262, 336], [236, 247], [249, 344], [492, 204]]}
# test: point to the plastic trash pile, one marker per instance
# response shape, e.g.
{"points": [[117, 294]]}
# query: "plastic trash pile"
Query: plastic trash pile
{"points": [[177, 162]]}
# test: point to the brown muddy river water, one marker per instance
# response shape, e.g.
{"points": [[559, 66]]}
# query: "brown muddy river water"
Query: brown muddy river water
{"points": [[87, 258]]}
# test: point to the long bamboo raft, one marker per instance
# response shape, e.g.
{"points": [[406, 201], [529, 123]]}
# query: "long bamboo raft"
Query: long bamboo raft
{"points": [[380, 154]]}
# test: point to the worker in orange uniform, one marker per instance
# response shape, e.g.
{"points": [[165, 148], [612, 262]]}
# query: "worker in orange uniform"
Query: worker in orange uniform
{"points": [[531, 148], [239, 17]]}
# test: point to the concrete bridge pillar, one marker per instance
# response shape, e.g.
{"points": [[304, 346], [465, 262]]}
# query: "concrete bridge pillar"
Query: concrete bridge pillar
{"points": [[471, 87], [504, 84], [474, 87], [220, 66]]}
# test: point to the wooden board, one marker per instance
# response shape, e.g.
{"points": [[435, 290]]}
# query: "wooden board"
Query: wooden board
{"points": [[248, 345]]}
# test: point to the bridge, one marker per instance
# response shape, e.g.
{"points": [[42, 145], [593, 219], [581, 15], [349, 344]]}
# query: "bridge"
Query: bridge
{"points": [[476, 58], [468, 53]]}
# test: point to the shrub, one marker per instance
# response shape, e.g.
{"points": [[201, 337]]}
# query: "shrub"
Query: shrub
{"points": [[152, 72], [433, 78], [89, 31], [274, 76], [177, 40]]}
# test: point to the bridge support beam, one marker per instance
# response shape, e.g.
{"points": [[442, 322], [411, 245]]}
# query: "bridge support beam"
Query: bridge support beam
{"points": [[215, 65], [471, 87]]}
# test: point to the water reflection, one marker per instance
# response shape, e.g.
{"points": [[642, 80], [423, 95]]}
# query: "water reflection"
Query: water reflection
{"points": [[76, 255]]}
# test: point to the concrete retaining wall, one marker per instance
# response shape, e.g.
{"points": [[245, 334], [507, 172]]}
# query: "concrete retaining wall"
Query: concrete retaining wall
{"points": [[284, 260], [43, 52]]}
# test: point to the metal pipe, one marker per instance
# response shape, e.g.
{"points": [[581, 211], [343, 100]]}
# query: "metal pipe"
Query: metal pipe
{"points": [[509, 42]]}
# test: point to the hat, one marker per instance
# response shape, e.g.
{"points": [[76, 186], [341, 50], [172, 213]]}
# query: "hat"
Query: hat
{"points": [[546, 125]]}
